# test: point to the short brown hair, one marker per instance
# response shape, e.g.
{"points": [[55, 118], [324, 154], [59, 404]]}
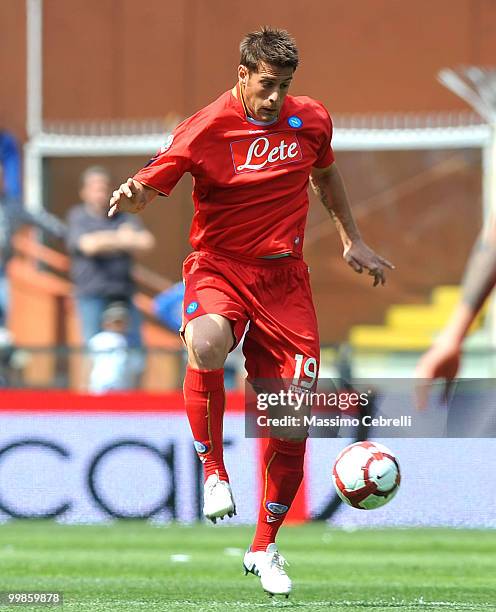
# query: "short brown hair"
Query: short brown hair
{"points": [[92, 171], [269, 45]]}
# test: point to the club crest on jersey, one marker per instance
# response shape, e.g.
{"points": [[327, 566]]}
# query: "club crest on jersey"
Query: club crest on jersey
{"points": [[192, 306], [295, 122], [200, 447], [276, 508], [252, 154]]}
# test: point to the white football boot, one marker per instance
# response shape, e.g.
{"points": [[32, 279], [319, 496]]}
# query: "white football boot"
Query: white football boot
{"points": [[269, 567], [217, 499]]}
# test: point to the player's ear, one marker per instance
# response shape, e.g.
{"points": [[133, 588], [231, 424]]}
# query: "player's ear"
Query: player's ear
{"points": [[243, 74]]}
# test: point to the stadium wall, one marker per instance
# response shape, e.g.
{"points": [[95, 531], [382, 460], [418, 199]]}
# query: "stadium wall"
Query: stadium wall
{"points": [[124, 58]]}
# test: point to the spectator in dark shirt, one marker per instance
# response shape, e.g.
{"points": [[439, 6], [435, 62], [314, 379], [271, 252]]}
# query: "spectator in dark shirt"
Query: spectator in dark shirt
{"points": [[102, 250]]}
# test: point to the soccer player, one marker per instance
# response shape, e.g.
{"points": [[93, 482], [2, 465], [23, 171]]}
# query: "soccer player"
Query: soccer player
{"points": [[251, 153], [442, 360]]}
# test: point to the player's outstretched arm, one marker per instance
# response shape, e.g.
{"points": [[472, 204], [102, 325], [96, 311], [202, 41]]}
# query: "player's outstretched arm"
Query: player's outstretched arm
{"points": [[132, 196], [328, 184], [442, 360]]}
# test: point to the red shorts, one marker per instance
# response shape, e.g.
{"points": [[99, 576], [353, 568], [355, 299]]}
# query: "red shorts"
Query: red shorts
{"points": [[273, 297]]}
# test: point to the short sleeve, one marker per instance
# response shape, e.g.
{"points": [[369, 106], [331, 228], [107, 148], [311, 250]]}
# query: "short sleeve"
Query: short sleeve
{"points": [[325, 156], [173, 160]]}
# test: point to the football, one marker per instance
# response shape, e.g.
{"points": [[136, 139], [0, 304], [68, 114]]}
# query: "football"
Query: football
{"points": [[366, 475]]}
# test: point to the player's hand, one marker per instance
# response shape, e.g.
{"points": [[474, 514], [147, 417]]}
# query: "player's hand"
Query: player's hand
{"points": [[442, 360], [130, 197], [359, 256]]}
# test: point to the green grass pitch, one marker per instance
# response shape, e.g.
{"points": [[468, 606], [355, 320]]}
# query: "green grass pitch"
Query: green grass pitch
{"points": [[138, 566]]}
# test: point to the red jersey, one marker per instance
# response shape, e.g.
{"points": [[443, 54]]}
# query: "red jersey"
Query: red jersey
{"points": [[250, 180]]}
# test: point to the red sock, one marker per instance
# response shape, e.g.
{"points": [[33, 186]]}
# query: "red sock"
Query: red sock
{"points": [[282, 476], [204, 399]]}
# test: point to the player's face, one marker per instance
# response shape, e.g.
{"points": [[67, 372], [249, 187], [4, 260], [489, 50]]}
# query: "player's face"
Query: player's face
{"points": [[96, 191], [116, 325], [264, 91]]}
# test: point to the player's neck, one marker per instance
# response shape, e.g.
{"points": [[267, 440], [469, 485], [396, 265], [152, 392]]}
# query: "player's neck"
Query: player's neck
{"points": [[237, 92]]}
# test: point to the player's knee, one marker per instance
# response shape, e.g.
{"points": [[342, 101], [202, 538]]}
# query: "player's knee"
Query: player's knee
{"points": [[207, 353]]}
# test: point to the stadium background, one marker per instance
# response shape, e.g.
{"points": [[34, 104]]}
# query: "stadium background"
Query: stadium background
{"points": [[122, 65], [106, 61]]}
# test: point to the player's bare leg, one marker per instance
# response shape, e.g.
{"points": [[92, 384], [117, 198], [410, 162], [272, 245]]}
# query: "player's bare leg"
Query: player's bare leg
{"points": [[208, 339]]}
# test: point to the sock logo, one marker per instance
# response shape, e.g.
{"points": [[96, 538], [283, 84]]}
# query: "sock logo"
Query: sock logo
{"points": [[192, 306], [272, 519], [200, 447], [276, 508]]}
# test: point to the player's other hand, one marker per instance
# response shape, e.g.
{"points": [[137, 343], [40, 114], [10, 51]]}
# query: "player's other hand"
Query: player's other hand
{"points": [[129, 197], [442, 360], [359, 256]]}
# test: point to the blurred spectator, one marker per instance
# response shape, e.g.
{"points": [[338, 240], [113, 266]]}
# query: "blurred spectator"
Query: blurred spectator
{"points": [[168, 308], [114, 366], [6, 352], [234, 369], [102, 250], [12, 216], [443, 358], [11, 162]]}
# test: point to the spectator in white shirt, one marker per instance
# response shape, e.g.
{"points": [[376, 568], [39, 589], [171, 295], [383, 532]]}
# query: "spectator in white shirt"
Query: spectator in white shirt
{"points": [[114, 365]]}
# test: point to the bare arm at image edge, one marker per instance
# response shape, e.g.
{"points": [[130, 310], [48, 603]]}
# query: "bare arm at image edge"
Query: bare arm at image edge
{"points": [[442, 360]]}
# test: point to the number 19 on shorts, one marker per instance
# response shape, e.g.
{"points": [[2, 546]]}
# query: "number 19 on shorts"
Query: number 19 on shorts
{"points": [[306, 371]]}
